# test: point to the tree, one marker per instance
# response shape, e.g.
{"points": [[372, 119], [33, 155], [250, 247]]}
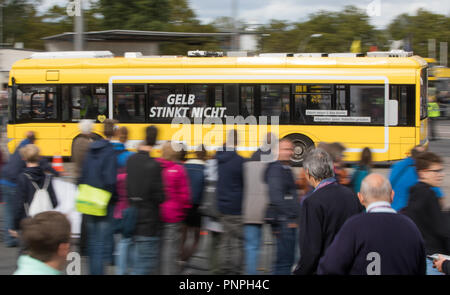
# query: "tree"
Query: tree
{"points": [[149, 15], [418, 29]]}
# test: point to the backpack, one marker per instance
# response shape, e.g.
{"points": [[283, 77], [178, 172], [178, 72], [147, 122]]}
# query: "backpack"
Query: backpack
{"points": [[41, 199]]}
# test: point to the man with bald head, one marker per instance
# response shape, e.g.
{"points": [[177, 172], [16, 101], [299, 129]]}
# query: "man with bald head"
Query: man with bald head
{"points": [[379, 241]]}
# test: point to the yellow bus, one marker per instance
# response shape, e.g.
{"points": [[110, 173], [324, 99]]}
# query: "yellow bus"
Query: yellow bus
{"points": [[376, 102]]}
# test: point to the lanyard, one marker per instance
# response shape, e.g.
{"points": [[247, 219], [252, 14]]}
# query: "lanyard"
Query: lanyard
{"points": [[325, 182]]}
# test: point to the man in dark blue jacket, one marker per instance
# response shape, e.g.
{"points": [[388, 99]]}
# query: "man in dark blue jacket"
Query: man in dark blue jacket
{"points": [[379, 242], [229, 194], [323, 212], [100, 171], [284, 207]]}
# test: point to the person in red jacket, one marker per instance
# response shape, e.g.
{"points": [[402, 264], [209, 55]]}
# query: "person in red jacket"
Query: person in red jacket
{"points": [[174, 209]]}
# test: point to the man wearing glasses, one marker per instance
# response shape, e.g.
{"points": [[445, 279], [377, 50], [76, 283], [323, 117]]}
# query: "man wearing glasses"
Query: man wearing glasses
{"points": [[424, 209]]}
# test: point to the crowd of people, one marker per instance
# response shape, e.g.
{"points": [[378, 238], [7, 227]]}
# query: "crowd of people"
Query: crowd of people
{"points": [[145, 215]]}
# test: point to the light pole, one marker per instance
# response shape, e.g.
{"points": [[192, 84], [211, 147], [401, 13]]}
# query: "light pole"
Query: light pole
{"points": [[235, 43], [79, 27], [302, 46]]}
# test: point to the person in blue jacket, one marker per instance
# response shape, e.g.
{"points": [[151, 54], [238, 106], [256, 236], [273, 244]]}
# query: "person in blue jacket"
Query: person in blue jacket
{"points": [[100, 171], [33, 176], [403, 176], [195, 169], [284, 207], [230, 186], [8, 183]]}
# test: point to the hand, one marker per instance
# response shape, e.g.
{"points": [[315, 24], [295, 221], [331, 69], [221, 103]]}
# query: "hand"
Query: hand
{"points": [[437, 263], [13, 233]]}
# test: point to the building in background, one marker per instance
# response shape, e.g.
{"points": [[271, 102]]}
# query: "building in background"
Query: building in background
{"points": [[8, 56], [147, 42]]}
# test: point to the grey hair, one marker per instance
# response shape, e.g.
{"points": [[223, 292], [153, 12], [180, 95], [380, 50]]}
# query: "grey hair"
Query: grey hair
{"points": [[86, 125], [376, 189], [319, 164]]}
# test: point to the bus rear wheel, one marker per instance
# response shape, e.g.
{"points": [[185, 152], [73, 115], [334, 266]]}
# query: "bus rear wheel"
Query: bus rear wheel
{"points": [[302, 144]]}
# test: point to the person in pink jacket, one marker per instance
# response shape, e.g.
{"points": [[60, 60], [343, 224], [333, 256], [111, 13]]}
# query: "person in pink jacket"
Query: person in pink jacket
{"points": [[174, 209]]}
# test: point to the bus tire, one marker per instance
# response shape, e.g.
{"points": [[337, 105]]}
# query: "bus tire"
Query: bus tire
{"points": [[302, 144]]}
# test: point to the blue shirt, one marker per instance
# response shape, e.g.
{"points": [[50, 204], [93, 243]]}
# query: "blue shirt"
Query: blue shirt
{"points": [[403, 176], [28, 265]]}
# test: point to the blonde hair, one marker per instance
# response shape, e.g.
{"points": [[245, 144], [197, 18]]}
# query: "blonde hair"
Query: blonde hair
{"points": [[86, 126], [122, 134], [30, 153], [168, 152]]}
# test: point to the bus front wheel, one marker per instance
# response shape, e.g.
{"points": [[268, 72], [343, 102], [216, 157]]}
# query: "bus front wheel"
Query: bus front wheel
{"points": [[302, 144]]}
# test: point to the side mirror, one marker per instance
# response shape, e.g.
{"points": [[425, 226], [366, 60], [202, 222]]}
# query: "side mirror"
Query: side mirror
{"points": [[392, 113]]}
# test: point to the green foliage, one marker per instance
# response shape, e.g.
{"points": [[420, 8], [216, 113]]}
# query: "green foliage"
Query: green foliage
{"points": [[336, 30], [324, 31], [339, 29], [417, 29]]}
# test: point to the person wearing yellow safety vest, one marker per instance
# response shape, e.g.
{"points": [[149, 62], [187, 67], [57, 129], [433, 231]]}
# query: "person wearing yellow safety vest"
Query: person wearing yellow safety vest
{"points": [[433, 114]]}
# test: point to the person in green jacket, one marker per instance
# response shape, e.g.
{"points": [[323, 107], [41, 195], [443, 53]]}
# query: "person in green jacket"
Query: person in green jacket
{"points": [[433, 114], [46, 237]]}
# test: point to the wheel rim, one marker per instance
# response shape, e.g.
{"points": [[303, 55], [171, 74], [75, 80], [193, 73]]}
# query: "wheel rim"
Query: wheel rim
{"points": [[300, 149]]}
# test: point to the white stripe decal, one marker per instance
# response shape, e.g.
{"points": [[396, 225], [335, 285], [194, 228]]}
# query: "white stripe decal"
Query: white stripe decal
{"points": [[265, 78]]}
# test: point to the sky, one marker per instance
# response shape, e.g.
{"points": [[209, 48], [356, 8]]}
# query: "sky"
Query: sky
{"points": [[381, 12]]}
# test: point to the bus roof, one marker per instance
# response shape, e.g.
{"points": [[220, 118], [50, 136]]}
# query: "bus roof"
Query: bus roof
{"points": [[222, 62]]}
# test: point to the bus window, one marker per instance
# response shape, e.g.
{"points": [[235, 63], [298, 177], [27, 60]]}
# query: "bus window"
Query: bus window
{"points": [[65, 102], [310, 98], [404, 94], [218, 96], [367, 104], [231, 99], [88, 102], [300, 108], [275, 101], [158, 103], [36, 102], [341, 97], [247, 101], [129, 103], [201, 97], [319, 97]]}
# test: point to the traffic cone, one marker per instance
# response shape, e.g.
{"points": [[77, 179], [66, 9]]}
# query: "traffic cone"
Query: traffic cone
{"points": [[57, 163]]}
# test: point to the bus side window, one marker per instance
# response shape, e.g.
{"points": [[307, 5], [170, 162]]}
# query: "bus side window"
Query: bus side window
{"points": [[247, 101], [405, 96], [129, 102], [82, 103], [88, 101], [231, 101], [369, 103], [36, 102], [275, 101]]}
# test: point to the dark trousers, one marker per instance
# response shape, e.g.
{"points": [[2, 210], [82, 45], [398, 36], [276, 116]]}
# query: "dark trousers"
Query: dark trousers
{"points": [[285, 241], [432, 123]]}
